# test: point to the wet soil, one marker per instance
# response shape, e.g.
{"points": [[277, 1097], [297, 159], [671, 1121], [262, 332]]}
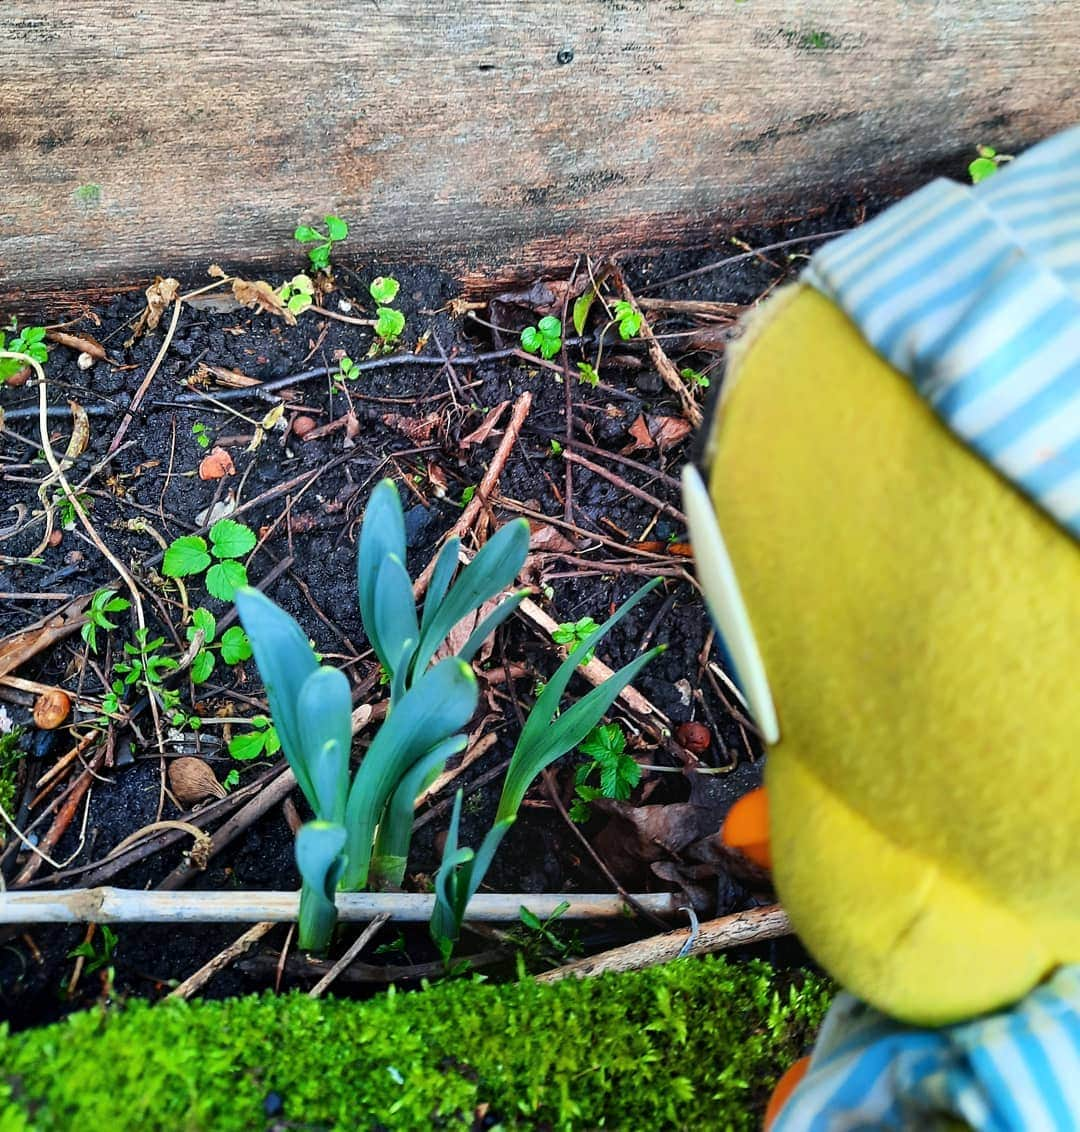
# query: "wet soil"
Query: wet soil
{"points": [[306, 498]]}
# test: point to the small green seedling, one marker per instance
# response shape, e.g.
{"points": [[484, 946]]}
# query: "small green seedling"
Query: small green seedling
{"points": [[96, 957], [298, 293], [384, 289], [189, 555], [554, 447], [627, 319], [233, 646], [986, 164], [262, 740], [336, 231], [588, 374], [30, 341], [572, 633], [65, 508], [545, 338], [694, 377], [231, 780], [348, 369], [540, 941], [147, 667], [201, 434], [389, 325], [467, 494], [605, 749], [101, 605]]}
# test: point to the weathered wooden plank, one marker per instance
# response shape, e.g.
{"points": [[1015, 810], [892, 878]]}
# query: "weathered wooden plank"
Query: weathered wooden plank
{"points": [[167, 135]]}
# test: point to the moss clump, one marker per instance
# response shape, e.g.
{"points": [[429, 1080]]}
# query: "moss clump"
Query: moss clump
{"points": [[698, 1043]]}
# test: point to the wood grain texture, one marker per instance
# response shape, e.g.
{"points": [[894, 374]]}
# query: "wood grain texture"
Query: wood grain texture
{"points": [[139, 137]]}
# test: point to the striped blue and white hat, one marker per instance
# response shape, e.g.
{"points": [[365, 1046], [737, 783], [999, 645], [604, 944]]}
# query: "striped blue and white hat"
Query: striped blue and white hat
{"points": [[974, 294]]}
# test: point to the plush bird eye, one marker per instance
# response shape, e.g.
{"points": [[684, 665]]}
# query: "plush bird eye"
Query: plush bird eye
{"points": [[717, 577]]}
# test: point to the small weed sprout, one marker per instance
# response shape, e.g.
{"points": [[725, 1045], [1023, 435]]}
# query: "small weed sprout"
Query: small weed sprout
{"points": [[189, 554], [101, 605], [627, 319], [572, 633], [96, 957], [605, 749], [539, 941], [65, 508], [384, 289], [694, 377], [146, 667], [336, 231], [298, 294], [348, 369], [587, 374], [233, 646], [389, 326], [986, 164], [30, 341], [545, 338], [261, 740], [201, 434]]}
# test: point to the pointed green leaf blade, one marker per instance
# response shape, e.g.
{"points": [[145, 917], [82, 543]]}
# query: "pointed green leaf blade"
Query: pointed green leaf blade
{"points": [[285, 660], [381, 535], [324, 707], [319, 846], [445, 567]]}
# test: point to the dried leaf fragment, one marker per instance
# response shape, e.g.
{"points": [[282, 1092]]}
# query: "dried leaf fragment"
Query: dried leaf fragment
{"points": [[260, 295], [83, 343], [216, 464], [417, 429]]}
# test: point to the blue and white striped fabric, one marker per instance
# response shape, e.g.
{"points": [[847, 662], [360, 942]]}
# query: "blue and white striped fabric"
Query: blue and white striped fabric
{"points": [[1014, 1071], [974, 294]]}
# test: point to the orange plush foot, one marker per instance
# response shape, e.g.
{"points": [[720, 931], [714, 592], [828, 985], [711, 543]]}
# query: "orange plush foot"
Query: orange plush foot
{"points": [[784, 1088], [746, 827]]}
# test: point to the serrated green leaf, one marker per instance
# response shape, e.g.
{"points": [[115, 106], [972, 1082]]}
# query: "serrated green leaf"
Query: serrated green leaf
{"points": [[201, 667], [531, 339], [320, 257], [336, 228], [230, 539], [185, 555], [203, 619], [223, 579], [549, 326], [306, 235], [235, 646]]}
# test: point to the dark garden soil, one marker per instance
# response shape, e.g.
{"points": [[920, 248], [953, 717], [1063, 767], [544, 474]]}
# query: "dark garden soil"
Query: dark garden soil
{"points": [[595, 540]]}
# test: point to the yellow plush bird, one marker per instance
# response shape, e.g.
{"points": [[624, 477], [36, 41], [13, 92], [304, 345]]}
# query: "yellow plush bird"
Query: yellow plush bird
{"points": [[885, 522]]}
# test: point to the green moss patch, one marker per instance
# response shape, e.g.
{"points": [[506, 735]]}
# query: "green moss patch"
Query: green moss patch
{"points": [[697, 1043]]}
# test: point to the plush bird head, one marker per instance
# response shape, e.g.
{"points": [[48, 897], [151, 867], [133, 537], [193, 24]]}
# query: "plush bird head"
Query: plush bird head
{"points": [[885, 523]]}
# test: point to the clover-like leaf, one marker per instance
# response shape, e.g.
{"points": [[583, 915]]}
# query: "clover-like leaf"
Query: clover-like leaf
{"points": [[185, 555], [306, 235], [231, 539], [223, 579]]}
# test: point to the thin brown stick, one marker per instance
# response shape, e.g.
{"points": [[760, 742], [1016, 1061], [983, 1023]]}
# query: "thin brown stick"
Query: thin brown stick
{"points": [[754, 926], [487, 485], [63, 819], [664, 365], [354, 950], [624, 485], [220, 961]]}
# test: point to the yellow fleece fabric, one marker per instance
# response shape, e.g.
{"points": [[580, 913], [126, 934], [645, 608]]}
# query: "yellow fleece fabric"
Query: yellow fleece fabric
{"points": [[919, 622]]}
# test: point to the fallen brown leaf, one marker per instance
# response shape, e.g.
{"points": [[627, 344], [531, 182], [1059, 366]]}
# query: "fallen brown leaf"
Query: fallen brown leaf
{"points": [[417, 429], [84, 343], [216, 464], [545, 539], [639, 430], [261, 296]]}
